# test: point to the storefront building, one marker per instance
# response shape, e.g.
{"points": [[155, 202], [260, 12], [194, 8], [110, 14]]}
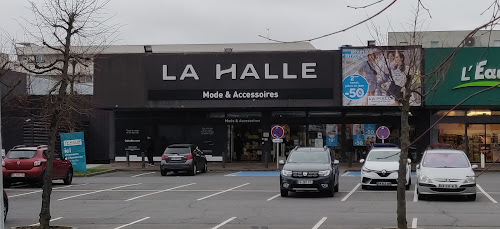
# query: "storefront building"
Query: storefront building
{"points": [[470, 79], [227, 104]]}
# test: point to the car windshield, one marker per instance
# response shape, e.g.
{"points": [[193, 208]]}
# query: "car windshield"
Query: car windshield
{"points": [[21, 154], [308, 157], [380, 155], [445, 160], [177, 150]]}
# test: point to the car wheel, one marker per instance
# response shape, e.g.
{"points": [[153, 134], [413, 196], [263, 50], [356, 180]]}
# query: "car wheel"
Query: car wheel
{"points": [[330, 192], [163, 172], [69, 177], [471, 197], [7, 183], [193, 171], [336, 188], [205, 168], [284, 193]]}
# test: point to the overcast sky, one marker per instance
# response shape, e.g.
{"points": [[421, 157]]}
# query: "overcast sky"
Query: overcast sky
{"points": [[241, 21]]}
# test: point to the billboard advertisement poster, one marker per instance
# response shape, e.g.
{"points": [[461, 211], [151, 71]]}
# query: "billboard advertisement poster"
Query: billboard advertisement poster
{"points": [[358, 136], [331, 134], [73, 149], [370, 137], [377, 76]]}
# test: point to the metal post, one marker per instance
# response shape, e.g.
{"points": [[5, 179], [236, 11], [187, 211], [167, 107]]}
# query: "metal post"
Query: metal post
{"points": [[127, 155], [1, 174], [277, 156], [142, 159]]}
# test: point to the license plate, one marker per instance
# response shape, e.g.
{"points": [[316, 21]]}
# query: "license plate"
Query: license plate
{"points": [[18, 175], [304, 182], [384, 183], [175, 158], [447, 186]]}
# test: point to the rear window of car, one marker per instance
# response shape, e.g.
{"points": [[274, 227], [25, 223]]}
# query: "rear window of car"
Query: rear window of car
{"points": [[177, 150], [21, 154]]}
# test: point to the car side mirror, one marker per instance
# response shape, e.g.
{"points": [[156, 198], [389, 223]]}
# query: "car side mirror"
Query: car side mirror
{"points": [[281, 162], [409, 160], [474, 166], [336, 162], [362, 160], [418, 166]]}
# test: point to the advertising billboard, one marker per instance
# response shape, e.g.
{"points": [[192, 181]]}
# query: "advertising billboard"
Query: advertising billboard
{"points": [[377, 76], [470, 71], [73, 149]]}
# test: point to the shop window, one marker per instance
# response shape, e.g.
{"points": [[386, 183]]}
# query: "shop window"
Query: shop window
{"points": [[324, 113], [290, 114], [453, 134], [495, 113], [483, 138], [452, 113], [244, 115], [479, 113]]}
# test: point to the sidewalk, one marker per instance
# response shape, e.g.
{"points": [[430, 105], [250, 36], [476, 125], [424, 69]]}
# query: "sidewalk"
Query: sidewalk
{"points": [[241, 166]]}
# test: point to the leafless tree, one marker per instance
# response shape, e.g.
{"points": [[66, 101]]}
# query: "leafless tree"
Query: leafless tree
{"points": [[68, 33]]}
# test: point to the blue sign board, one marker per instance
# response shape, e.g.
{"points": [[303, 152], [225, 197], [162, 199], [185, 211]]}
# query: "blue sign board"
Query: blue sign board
{"points": [[354, 87], [370, 129], [331, 140], [358, 140], [73, 149]]}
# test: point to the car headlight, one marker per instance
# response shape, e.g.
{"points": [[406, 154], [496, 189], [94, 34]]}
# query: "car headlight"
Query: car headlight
{"points": [[470, 179], [425, 179], [324, 173], [286, 173], [364, 169]]}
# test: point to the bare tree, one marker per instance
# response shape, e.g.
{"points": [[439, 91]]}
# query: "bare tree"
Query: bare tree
{"points": [[69, 33]]}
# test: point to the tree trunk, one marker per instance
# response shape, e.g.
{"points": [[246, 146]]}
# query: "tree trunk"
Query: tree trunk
{"points": [[47, 176], [401, 192]]}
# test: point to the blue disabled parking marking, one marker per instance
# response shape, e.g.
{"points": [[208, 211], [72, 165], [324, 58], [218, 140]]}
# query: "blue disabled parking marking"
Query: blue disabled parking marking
{"points": [[358, 174], [255, 174]]}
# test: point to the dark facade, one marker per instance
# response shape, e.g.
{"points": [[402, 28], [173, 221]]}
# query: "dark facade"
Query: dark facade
{"points": [[228, 102]]}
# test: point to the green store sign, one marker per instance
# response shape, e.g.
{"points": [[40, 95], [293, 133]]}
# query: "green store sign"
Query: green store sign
{"points": [[470, 71]]}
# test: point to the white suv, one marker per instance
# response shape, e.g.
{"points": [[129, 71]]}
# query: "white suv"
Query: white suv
{"points": [[381, 168]]}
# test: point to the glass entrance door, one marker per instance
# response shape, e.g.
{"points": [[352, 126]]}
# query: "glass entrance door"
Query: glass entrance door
{"points": [[483, 138]]}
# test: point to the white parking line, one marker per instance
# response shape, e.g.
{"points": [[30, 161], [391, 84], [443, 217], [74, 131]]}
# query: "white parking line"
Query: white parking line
{"points": [[84, 194], [222, 192], [142, 174], [28, 193], [415, 195], [223, 223], [486, 194], [414, 223], [351, 192], [231, 175], [149, 194], [273, 197], [345, 174], [58, 218], [145, 218], [319, 223]]}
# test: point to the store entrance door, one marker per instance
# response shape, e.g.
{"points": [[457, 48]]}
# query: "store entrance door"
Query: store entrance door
{"points": [[483, 138], [246, 142]]}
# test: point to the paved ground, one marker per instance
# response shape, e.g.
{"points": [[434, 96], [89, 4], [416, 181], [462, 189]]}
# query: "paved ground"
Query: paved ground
{"points": [[144, 199]]}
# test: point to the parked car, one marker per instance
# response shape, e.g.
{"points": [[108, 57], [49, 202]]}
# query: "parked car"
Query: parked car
{"points": [[183, 157], [446, 172], [381, 168], [309, 169], [5, 205], [27, 164], [439, 146]]}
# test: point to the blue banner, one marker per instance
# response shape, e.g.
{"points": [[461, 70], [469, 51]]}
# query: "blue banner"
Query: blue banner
{"points": [[73, 149], [331, 140], [370, 129], [358, 140]]}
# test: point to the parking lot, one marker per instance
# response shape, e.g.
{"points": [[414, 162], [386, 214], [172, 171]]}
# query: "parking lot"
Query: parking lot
{"points": [[241, 200]]}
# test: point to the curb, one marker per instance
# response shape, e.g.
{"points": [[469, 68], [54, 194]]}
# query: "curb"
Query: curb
{"points": [[98, 173]]}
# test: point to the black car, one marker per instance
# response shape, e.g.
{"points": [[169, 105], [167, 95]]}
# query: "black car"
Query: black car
{"points": [[309, 169], [183, 157]]}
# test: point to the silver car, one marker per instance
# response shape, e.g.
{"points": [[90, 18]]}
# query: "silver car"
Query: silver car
{"points": [[445, 172]]}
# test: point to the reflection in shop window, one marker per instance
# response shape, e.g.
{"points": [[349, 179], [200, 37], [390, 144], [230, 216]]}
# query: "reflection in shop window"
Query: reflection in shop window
{"points": [[451, 113], [453, 134]]}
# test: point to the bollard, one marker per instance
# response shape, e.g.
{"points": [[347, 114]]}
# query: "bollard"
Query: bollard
{"points": [[127, 155], [142, 158]]}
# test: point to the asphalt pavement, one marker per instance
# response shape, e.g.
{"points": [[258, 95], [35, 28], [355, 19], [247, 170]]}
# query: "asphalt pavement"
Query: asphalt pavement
{"points": [[242, 199]]}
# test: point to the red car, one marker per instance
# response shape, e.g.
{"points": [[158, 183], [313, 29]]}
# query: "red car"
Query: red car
{"points": [[27, 164]]}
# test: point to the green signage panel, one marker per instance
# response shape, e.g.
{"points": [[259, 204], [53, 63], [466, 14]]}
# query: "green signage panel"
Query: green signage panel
{"points": [[470, 70]]}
